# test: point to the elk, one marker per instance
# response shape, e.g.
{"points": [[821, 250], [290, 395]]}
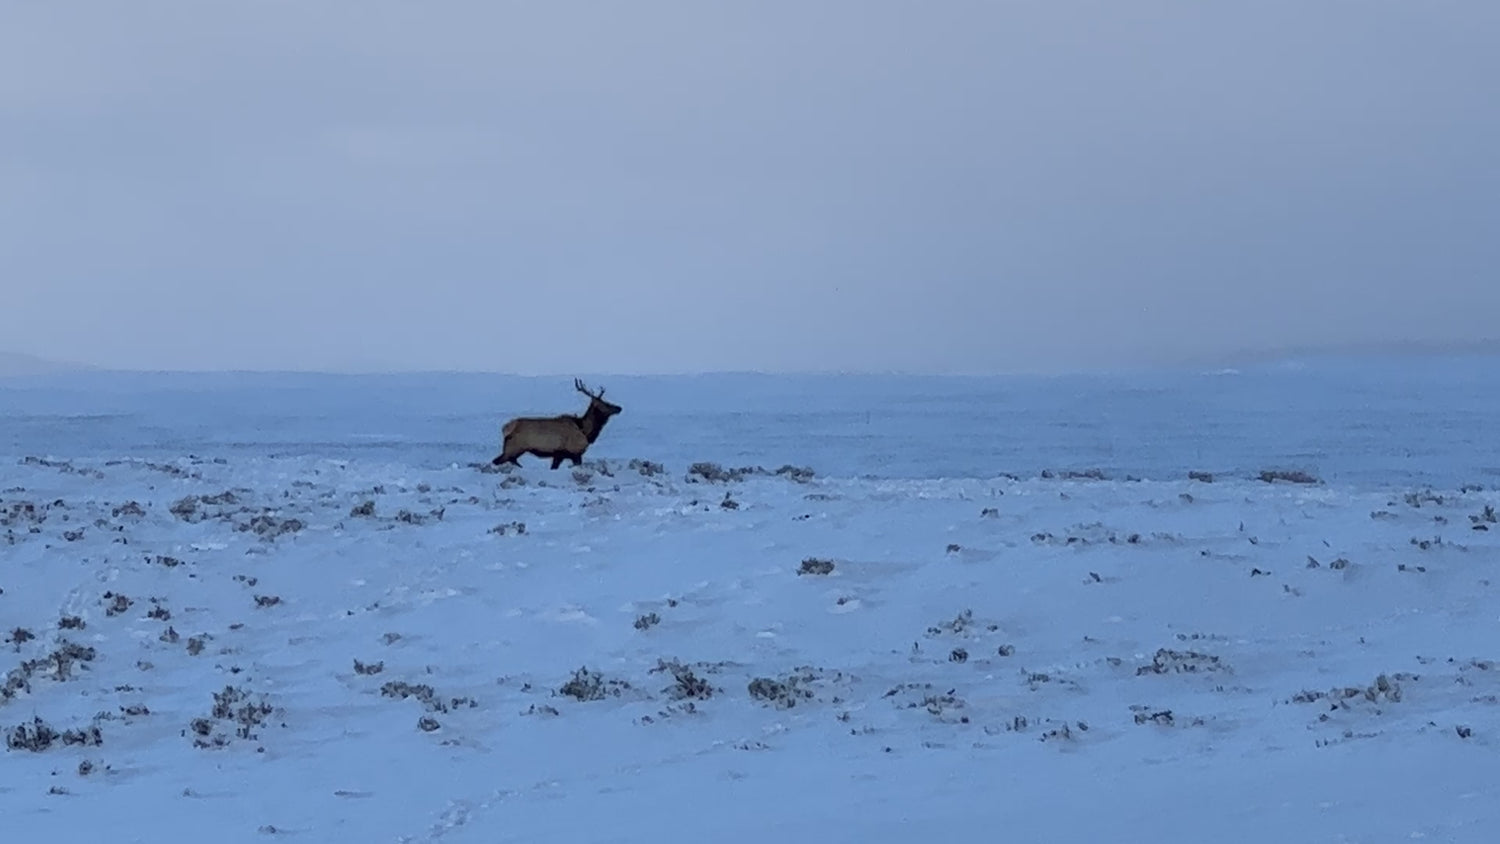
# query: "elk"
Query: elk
{"points": [[561, 438]]}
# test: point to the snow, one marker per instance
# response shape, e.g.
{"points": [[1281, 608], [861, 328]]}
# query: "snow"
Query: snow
{"points": [[1007, 644]]}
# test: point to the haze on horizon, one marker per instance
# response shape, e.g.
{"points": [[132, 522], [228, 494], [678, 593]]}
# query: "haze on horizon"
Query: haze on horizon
{"points": [[676, 187]]}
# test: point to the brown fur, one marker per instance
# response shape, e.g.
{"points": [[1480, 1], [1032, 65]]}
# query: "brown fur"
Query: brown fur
{"points": [[559, 438]]}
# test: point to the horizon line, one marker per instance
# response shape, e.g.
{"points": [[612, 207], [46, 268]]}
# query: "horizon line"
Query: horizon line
{"points": [[1230, 360]]}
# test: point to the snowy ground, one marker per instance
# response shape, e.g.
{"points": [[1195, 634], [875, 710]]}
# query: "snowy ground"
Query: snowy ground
{"points": [[240, 646]]}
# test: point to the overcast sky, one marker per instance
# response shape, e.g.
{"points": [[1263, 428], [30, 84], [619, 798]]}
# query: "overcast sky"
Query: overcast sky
{"points": [[804, 185]]}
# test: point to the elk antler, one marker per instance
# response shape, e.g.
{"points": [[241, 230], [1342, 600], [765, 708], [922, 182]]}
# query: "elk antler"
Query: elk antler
{"points": [[578, 385]]}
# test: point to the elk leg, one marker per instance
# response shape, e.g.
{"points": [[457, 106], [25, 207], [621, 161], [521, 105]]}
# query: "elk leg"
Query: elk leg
{"points": [[557, 460], [576, 458]]}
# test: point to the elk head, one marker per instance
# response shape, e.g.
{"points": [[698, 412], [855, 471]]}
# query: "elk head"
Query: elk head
{"points": [[598, 407], [596, 398]]}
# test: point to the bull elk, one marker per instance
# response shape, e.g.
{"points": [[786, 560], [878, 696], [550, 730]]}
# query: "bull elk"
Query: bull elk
{"points": [[561, 438]]}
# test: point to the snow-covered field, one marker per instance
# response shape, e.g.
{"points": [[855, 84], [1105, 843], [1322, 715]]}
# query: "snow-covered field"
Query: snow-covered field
{"points": [[248, 608]]}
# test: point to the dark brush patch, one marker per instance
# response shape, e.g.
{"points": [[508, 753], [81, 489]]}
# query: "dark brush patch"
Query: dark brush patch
{"points": [[38, 736], [962, 624], [1288, 476], [586, 685], [1147, 715], [58, 665], [687, 684], [236, 706], [64, 466], [187, 509], [116, 604], [1421, 498], [798, 474], [714, 473], [786, 691], [130, 508], [783, 694], [815, 566], [424, 694], [1074, 475], [35, 737], [1169, 661], [269, 527], [368, 668], [925, 696], [24, 514], [646, 468], [1386, 688], [1065, 731], [407, 517], [174, 471]]}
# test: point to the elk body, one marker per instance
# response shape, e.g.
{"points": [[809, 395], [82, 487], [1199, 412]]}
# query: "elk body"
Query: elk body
{"points": [[560, 438]]}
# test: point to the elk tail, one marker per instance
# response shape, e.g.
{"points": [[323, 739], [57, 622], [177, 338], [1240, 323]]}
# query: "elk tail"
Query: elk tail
{"points": [[510, 427]]}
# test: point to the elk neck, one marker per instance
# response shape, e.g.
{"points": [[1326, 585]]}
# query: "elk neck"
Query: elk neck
{"points": [[592, 422]]}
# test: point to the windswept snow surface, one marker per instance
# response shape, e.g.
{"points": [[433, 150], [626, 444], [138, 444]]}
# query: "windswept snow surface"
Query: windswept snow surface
{"points": [[246, 608]]}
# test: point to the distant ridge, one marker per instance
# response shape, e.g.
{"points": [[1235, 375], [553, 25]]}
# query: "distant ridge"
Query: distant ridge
{"points": [[16, 365], [1389, 348]]}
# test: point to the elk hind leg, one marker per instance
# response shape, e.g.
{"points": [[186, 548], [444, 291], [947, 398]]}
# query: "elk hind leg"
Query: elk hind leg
{"points": [[508, 456]]}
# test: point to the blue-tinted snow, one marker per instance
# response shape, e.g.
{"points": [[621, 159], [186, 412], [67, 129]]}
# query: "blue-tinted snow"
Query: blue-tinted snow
{"points": [[1368, 421], [992, 657]]}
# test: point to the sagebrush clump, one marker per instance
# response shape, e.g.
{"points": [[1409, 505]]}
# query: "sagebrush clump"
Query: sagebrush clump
{"points": [[1289, 476], [815, 566], [586, 685]]}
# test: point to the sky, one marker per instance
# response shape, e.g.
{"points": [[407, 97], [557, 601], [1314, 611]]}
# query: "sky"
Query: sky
{"points": [[551, 188]]}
